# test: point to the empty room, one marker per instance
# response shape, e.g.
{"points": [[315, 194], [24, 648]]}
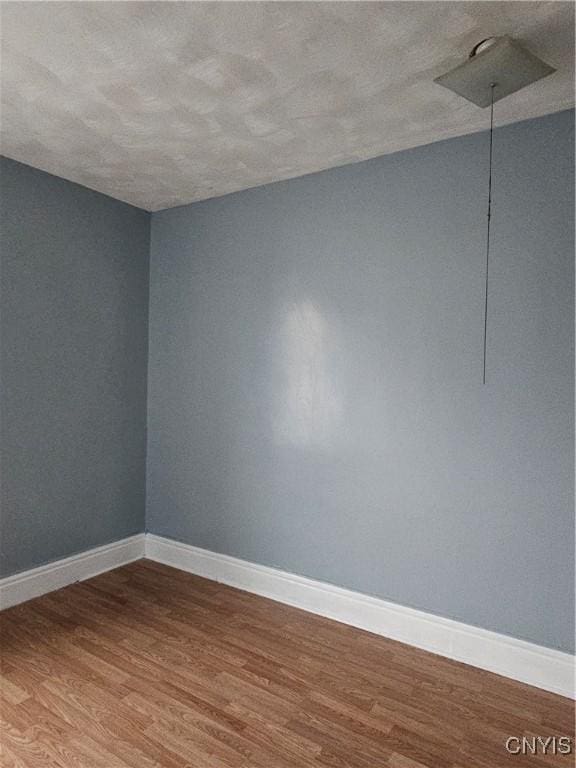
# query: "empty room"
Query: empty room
{"points": [[287, 384]]}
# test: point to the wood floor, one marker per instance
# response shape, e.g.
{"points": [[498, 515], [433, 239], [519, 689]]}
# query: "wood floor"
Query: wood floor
{"points": [[149, 666]]}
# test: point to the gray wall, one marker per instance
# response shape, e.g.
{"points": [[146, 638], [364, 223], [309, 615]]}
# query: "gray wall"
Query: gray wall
{"points": [[74, 346], [315, 379]]}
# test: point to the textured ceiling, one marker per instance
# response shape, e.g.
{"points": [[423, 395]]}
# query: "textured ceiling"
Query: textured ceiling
{"points": [[163, 103]]}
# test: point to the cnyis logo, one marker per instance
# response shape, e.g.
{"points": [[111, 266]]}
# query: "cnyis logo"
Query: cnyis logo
{"points": [[539, 745]]}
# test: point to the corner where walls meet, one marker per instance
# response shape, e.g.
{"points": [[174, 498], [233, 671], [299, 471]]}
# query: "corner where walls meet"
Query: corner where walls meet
{"points": [[314, 376]]}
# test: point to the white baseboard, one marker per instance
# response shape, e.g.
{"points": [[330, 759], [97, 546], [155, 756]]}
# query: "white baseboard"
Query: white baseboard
{"points": [[38, 581], [517, 659]]}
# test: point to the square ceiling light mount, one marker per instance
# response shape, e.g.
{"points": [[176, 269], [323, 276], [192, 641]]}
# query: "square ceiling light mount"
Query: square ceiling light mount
{"points": [[498, 61]]}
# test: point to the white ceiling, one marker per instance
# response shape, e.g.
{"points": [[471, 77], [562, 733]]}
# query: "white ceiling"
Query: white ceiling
{"points": [[163, 103]]}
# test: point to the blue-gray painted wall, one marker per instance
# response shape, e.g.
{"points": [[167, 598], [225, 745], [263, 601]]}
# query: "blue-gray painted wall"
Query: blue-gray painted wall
{"points": [[315, 385], [315, 379], [74, 311]]}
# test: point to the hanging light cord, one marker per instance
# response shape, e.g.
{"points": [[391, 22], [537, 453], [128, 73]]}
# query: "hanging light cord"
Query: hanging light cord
{"points": [[492, 86]]}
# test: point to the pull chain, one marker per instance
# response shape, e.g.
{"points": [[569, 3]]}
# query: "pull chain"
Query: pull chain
{"points": [[492, 86]]}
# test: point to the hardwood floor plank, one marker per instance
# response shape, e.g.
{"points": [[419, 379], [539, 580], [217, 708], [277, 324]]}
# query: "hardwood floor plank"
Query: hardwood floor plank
{"points": [[150, 667]]}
